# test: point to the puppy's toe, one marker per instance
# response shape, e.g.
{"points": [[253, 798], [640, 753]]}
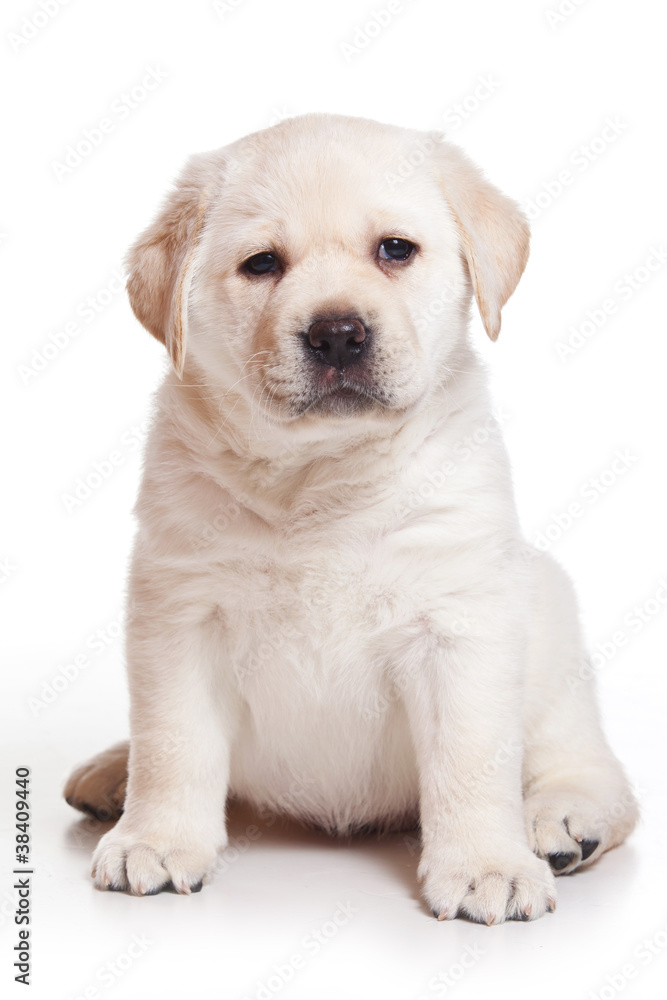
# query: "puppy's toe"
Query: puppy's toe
{"points": [[145, 864], [516, 887], [569, 828], [588, 833], [588, 848], [145, 870], [551, 841]]}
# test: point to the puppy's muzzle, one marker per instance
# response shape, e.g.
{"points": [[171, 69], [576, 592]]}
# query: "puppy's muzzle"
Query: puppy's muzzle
{"points": [[337, 342]]}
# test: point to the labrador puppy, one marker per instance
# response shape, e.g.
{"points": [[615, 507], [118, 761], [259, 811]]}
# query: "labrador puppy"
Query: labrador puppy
{"points": [[332, 613]]}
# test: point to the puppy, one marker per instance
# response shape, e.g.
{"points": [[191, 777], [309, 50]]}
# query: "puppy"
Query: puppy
{"points": [[332, 613]]}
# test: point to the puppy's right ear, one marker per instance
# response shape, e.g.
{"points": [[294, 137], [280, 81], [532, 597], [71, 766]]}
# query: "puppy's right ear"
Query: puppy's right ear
{"points": [[161, 263]]}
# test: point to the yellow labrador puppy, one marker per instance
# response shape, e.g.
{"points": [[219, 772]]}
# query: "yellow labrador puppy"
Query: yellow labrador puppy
{"points": [[332, 612]]}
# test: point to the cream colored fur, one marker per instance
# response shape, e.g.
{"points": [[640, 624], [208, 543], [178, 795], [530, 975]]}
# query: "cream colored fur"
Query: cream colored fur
{"points": [[332, 612]]}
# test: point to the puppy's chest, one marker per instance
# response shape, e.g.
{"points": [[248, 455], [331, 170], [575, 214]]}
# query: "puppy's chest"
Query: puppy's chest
{"points": [[313, 588], [312, 610]]}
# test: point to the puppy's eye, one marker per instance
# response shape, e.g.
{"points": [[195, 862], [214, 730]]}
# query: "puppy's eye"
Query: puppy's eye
{"points": [[261, 263], [395, 249]]}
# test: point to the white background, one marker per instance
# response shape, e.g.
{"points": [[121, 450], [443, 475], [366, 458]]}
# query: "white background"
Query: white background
{"points": [[551, 84]]}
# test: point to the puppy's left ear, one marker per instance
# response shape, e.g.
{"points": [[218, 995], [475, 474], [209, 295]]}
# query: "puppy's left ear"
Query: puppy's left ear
{"points": [[162, 261], [494, 231]]}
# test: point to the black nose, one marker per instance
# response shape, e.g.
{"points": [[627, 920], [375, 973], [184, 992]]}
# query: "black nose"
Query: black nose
{"points": [[337, 342]]}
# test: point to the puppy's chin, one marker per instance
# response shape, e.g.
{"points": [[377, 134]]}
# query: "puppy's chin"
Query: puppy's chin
{"points": [[340, 402], [342, 397]]}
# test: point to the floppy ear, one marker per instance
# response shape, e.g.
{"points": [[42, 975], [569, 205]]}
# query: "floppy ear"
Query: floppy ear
{"points": [[161, 263], [494, 232]]}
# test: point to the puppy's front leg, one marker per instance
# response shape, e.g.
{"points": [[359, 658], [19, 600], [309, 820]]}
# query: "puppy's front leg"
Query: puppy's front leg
{"points": [[463, 698], [182, 722]]}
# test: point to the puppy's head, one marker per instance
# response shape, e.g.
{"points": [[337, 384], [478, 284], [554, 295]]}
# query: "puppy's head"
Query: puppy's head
{"points": [[323, 267]]}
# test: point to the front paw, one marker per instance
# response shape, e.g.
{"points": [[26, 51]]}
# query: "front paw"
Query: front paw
{"points": [[143, 862], [489, 889]]}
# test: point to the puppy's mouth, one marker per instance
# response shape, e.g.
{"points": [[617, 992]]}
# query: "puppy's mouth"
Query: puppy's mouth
{"points": [[341, 396]]}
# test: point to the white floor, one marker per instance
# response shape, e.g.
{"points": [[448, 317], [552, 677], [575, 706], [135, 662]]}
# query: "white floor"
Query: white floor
{"points": [[299, 916]]}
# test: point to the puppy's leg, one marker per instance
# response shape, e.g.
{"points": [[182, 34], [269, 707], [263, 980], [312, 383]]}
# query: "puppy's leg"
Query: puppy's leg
{"points": [[578, 801], [98, 787], [463, 699], [181, 729]]}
